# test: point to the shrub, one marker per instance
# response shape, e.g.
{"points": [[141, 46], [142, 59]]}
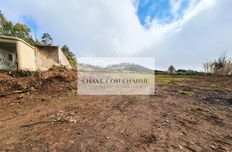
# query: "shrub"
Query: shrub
{"points": [[220, 66]]}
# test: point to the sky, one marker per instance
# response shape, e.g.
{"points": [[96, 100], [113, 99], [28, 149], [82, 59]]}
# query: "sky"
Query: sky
{"points": [[183, 33]]}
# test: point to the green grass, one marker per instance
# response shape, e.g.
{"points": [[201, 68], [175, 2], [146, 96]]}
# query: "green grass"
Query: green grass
{"points": [[168, 80], [187, 93]]}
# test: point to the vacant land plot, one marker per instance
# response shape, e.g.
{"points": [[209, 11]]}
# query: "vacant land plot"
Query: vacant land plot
{"points": [[43, 113]]}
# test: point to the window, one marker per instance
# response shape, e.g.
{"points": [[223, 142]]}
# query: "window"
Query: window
{"points": [[10, 57]]}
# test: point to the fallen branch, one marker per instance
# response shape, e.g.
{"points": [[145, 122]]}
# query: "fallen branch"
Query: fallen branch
{"points": [[34, 123], [15, 92]]}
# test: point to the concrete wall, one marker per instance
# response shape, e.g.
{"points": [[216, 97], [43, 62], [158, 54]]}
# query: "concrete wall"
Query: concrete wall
{"points": [[25, 57], [46, 59], [5, 62], [63, 60], [49, 56]]}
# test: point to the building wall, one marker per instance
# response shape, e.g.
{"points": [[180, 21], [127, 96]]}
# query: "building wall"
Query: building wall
{"points": [[63, 60], [28, 58], [25, 57], [46, 59], [5, 62], [49, 56]]}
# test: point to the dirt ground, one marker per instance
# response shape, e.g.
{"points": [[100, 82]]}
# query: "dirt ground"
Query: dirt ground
{"points": [[43, 113]]}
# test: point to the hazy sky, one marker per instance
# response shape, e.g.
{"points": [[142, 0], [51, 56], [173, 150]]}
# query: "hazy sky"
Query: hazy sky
{"points": [[180, 32], [148, 62]]}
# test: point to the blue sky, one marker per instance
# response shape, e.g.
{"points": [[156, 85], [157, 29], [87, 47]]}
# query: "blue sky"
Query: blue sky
{"points": [[31, 23], [161, 10]]}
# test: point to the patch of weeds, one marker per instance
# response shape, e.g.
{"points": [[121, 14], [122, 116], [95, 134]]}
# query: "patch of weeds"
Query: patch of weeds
{"points": [[70, 93], [214, 85], [167, 80], [181, 84], [187, 93], [219, 87]]}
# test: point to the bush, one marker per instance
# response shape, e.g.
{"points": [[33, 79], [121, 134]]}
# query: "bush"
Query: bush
{"points": [[70, 56], [220, 66]]}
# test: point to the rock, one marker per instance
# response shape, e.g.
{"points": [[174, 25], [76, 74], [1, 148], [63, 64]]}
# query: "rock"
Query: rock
{"points": [[180, 147], [32, 89]]}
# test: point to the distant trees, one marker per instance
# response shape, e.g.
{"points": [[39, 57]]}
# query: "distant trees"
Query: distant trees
{"points": [[171, 69], [220, 66]]}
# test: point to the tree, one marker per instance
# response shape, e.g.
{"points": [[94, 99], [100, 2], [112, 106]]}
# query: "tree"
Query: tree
{"points": [[171, 69], [6, 27], [69, 55], [23, 32], [18, 30], [46, 39]]}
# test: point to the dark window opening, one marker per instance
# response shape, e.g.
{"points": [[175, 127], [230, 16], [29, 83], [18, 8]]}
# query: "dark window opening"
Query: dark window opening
{"points": [[10, 57]]}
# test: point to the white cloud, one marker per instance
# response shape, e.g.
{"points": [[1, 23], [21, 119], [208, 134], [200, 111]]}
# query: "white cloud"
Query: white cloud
{"points": [[176, 4], [112, 28]]}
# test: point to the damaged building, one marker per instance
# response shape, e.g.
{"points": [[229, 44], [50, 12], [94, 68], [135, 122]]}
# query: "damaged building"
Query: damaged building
{"points": [[16, 54]]}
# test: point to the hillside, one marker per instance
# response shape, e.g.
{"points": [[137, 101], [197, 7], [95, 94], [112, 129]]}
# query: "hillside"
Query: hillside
{"points": [[122, 67]]}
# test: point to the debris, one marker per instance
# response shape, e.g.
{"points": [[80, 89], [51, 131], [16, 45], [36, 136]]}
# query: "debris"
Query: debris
{"points": [[20, 97], [64, 117], [180, 147], [14, 92], [32, 89]]}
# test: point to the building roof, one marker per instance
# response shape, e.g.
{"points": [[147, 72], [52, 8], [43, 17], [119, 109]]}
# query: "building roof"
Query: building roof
{"points": [[46, 46], [14, 39], [18, 39]]}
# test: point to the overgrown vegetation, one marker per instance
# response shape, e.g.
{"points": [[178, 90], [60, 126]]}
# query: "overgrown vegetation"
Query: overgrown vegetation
{"points": [[69, 55], [220, 66]]}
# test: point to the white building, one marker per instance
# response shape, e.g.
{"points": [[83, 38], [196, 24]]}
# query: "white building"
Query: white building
{"points": [[16, 54]]}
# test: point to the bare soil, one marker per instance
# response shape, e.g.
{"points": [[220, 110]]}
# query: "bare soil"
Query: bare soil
{"points": [[44, 113]]}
